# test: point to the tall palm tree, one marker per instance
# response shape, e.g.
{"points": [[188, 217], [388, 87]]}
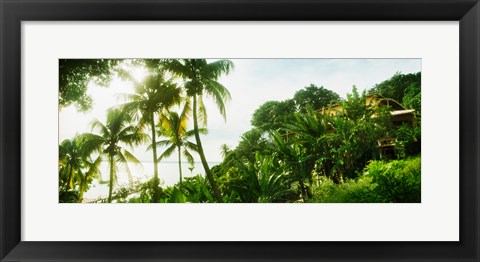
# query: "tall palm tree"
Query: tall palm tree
{"points": [[174, 127], [152, 96], [107, 143], [201, 79], [76, 166]]}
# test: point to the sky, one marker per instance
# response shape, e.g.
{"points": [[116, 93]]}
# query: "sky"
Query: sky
{"points": [[251, 83]]}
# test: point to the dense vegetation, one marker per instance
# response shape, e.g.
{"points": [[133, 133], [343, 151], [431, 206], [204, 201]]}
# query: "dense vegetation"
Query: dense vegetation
{"points": [[295, 152]]}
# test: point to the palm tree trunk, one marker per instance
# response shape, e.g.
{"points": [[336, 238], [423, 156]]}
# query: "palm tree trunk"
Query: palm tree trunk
{"points": [[156, 181], [70, 177], [80, 196], [112, 168], [303, 190], [180, 164], [208, 172]]}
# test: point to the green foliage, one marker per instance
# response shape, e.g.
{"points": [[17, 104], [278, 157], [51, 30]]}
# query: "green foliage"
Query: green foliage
{"points": [[76, 167], [148, 190], [408, 141], [353, 138], [298, 162], [314, 97], [359, 190], [107, 143], [68, 195], [174, 127], [272, 115], [397, 86], [124, 193], [262, 181], [76, 74], [253, 141], [413, 97], [201, 79], [197, 190], [293, 153], [398, 181], [153, 96]]}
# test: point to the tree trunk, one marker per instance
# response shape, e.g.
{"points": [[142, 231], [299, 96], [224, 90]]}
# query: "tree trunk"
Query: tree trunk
{"points": [[208, 172], [80, 196], [156, 181], [303, 190], [70, 177], [180, 164], [112, 168]]}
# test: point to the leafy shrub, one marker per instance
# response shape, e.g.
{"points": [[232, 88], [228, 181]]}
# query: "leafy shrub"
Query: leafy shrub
{"points": [[148, 190], [408, 141], [262, 181], [197, 190], [68, 195], [398, 181], [359, 190]]}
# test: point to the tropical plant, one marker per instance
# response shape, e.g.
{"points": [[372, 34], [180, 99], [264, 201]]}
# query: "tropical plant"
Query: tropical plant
{"points": [[356, 131], [152, 97], [262, 181], [359, 190], [201, 79], [174, 127], [108, 142], [225, 150], [76, 166], [298, 162], [252, 141], [398, 181]]}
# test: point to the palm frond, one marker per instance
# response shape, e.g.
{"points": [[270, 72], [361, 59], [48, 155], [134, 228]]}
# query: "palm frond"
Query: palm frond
{"points": [[202, 111], [94, 168], [188, 156], [218, 68], [191, 146], [220, 94], [177, 68], [91, 143], [125, 75], [168, 152], [97, 125]]}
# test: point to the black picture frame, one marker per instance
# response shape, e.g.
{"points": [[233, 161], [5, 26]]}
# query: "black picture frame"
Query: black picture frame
{"points": [[13, 12]]}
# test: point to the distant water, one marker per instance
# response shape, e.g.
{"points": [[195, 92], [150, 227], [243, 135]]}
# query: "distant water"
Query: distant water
{"points": [[167, 172]]}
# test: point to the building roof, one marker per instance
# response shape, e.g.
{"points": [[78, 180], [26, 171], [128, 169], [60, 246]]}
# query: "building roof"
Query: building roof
{"points": [[396, 106]]}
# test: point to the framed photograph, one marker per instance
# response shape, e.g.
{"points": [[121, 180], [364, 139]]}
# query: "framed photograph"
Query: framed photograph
{"points": [[239, 130]]}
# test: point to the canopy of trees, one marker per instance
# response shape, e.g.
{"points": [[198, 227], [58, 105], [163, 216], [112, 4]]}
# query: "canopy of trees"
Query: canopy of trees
{"points": [[314, 97], [293, 153], [76, 74], [400, 86]]}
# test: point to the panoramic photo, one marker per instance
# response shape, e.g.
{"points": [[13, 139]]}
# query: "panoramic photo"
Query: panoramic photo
{"points": [[239, 131]]}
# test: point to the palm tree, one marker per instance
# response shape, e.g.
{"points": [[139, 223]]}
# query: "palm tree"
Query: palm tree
{"points": [[201, 79], [263, 180], [174, 127], [107, 143], [297, 159], [76, 165], [225, 150], [151, 97]]}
